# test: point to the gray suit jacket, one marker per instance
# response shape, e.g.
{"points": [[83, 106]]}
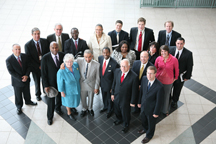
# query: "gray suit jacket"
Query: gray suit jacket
{"points": [[92, 81]]}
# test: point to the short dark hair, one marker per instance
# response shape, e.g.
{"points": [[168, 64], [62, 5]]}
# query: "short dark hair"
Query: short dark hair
{"points": [[152, 68], [164, 47], [100, 25], [169, 22], [120, 45], [74, 28], [106, 48], [141, 19], [181, 38], [156, 45], [119, 21]]}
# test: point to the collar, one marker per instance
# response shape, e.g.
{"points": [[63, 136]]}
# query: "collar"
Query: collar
{"points": [[36, 41], [169, 33], [75, 40], [54, 55]]}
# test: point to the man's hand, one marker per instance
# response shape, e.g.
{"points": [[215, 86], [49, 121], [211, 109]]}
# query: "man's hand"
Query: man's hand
{"points": [[132, 105], [185, 79], [139, 87], [139, 105], [174, 80], [62, 67], [96, 91], [24, 78], [112, 97], [155, 116], [62, 94], [39, 67], [47, 89]]}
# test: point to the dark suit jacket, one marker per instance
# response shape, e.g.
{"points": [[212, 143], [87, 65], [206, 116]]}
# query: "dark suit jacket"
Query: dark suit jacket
{"points": [[136, 68], [107, 79], [16, 71], [64, 37], [31, 51], [127, 91], [152, 100], [149, 37], [153, 58], [185, 61], [162, 37], [49, 69], [69, 46], [123, 35]]}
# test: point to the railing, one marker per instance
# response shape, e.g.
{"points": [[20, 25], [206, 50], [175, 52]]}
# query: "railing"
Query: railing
{"points": [[179, 3]]}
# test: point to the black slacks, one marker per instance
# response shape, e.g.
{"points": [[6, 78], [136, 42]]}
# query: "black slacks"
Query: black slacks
{"points": [[53, 104], [108, 104], [36, 77], [177, 87]]}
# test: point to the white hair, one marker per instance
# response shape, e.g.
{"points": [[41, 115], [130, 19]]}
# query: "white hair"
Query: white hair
{"points": [[125, 60], [68, 57], [58, 24], [15, 45], [53, 42]]}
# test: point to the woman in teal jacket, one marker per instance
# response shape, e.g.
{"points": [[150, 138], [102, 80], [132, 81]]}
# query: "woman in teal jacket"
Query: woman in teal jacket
{"points": [[68, 84]]}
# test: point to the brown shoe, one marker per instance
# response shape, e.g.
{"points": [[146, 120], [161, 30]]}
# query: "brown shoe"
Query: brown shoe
{"points": [[145, 140], [142, 131]]}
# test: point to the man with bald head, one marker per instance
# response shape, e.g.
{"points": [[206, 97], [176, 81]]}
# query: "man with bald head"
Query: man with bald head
{"points": [[18, 66], [50, 65], [75, 44], [124, 93], [140, 68], [58, 36]]}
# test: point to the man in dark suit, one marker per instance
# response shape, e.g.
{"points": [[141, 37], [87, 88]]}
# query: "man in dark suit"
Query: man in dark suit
{"points": [[50, 65], [124, 93], [35, 49], [118, 34], [140, 68], [150, 101], [18, 66], [107, 68], [185, 59], [75, 44], [169, 36], [58, 36], [140, 37]]}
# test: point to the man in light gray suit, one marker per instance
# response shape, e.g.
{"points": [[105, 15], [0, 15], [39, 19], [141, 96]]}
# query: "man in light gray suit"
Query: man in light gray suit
{"points": [[89, 81]]}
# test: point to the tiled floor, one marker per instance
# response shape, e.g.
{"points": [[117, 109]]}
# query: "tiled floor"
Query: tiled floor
{"points": [[193, 122]]}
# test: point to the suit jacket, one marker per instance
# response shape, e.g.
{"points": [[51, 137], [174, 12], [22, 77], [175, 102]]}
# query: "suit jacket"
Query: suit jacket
{"points": [[106, 80], [123, 35], [151, 100], [64, 37], [185, 61], [69, 46], [149, 37], [136, 69], [92, 81], [127, 91], [162, 37], [16, 71], [49, 70], [31, 51]]}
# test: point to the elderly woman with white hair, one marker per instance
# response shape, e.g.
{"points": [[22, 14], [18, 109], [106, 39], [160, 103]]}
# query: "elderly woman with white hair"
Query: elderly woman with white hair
{"points": [[68, 85]]}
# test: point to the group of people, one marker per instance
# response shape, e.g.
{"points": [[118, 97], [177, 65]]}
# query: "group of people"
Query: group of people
{"points": [[130, 70]]}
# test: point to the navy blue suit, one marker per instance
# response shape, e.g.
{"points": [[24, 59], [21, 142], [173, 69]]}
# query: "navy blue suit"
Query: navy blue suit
{"points": [[162, 37], [123, 35]]}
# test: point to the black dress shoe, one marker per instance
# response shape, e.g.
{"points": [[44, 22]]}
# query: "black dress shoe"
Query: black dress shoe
{"points": [[19, 111], [49, 122], [103, 110], [74, 111], [83, 113], [142, 131], [38, 98], [59, 112], [145, 140], [117, 122], [125, 129], [91, 112], [174, 105], [109, 114], [71, 116], [31, 103]]}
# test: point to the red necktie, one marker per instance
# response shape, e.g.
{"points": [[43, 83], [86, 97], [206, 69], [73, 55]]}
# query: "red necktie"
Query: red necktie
{"points": [[122, 77], [104, 68], [140, 42], [76, 44], [19, 62], [38, 49]]}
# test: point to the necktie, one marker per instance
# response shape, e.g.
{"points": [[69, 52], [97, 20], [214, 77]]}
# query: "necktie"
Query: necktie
{"points": [[177, 56], [117, 37], [141, 71], [76, 44], [104, 68], [38, 49], [57, 62], [140, 42], [167, 40], [149, 85], [19, 61], [86, 71], [59, 44], [122, 77]]}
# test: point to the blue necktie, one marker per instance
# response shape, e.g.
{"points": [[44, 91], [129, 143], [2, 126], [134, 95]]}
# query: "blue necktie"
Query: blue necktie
{"points": [[86, 71], [149, 85]]}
